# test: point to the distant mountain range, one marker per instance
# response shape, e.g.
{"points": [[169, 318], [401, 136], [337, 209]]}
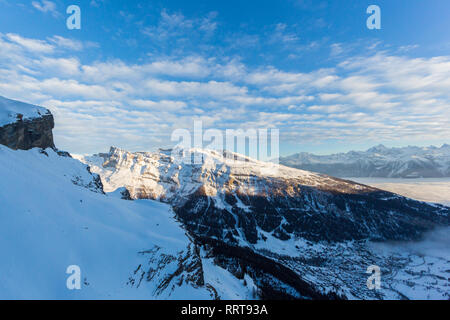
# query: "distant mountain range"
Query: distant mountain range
{"points": [[379, 161]]}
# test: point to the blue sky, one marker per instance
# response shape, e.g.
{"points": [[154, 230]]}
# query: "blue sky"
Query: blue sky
{"points": [[138, 70]]}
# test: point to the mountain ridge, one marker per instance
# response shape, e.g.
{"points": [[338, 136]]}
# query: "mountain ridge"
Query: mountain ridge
{"points": [[378, 161], [240, 186]]}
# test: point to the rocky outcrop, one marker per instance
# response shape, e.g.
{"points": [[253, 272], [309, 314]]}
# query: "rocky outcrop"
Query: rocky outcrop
{"points": [[25, 126], [26, 134]]}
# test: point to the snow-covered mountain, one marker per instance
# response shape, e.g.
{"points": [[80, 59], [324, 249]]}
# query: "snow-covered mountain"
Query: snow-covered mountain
{"points": [[291, 231], [228, 227], [54, 214], [379, 161]]}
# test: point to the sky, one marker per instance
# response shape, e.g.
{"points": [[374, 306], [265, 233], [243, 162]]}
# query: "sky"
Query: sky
{"points": [[138, 70]]}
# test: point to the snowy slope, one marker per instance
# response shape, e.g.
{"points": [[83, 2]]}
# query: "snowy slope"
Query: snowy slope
{"points": [[262, 222], [379, 161], [53, 214], [11, 109]]}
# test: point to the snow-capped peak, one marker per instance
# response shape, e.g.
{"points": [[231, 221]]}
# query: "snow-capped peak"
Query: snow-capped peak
{"points": [[378, 161], [12, 111], [378, 148]]}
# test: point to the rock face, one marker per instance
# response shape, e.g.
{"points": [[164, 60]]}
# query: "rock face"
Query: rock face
{"points": [[24, 126], [28, 134]]}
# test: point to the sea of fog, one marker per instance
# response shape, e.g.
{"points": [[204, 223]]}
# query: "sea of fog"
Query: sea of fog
{"points": [[424, 189]]}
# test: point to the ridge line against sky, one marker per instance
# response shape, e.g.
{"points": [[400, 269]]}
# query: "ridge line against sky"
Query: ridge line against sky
{"points": [[136, 71]]}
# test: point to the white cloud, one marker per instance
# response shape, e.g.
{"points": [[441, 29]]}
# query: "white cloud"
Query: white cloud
{"points": [[175, 25], [336, 49], [58, 66], [67, 43], [209, 89], [46, 6], [379, 96], [38, 46], [96, 3], [166, 105], [281, 34], [208, 24]]}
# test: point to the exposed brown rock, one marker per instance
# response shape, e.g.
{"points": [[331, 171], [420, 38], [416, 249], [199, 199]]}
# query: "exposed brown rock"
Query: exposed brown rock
{"points": [[29, 133]]}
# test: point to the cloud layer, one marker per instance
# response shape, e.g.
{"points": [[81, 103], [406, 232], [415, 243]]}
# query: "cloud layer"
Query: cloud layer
{"points": [[380, 96]]}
